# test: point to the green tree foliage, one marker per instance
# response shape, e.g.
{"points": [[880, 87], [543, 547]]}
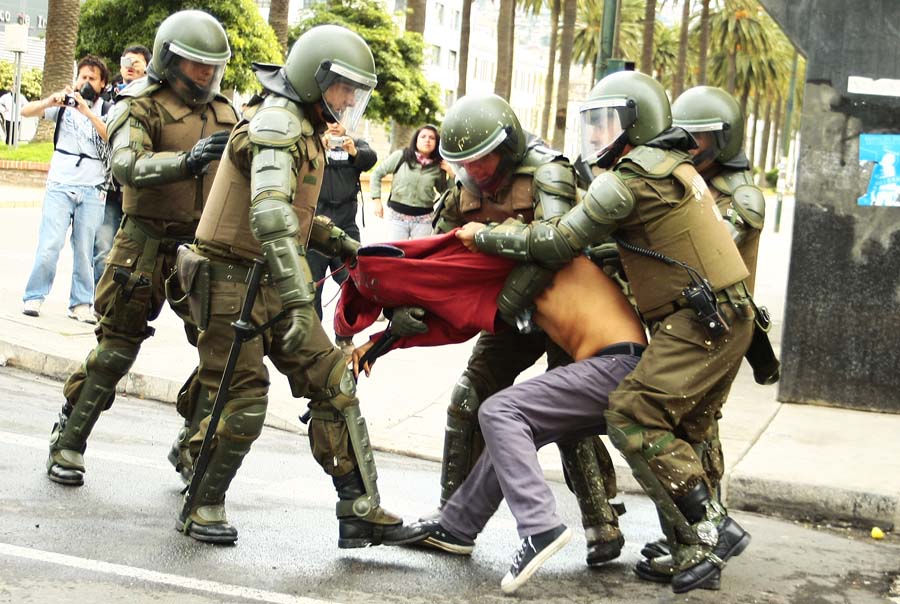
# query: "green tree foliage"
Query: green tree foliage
{"points": [[403, 94], [31, 80], [108, 26]]}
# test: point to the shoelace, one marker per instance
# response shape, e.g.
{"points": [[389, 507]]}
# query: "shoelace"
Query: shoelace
{"points": [[520, 554]]}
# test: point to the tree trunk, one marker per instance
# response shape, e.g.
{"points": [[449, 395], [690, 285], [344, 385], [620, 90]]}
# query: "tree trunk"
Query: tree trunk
{"points": [[415, 16], [647, 44], [505, 41], [59, 54], [764, 150], [464, 31], [752, 143], [570, 10], [704, 43], [551, 69], [776, 120], [779, 128], [678, 84], [732, 73], [278, 19], [745, 97], [401, 134]]}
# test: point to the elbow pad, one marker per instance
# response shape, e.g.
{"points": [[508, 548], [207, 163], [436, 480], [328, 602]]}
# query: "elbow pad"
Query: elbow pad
{"points": [[275, 225], [606, 203], [554, 190]]}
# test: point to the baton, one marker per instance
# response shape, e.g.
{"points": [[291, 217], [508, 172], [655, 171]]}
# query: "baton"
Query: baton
{"points": [[243, 331]]}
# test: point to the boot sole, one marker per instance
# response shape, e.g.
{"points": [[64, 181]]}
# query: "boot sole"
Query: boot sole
{"points": [[451, 548], [598, 559], [69, 482], [509, 587], [713, 583]]}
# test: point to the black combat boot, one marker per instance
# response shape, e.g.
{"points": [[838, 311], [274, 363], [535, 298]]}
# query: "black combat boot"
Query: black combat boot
{"points": [[377, 527], [720, 538], [64, 466]]}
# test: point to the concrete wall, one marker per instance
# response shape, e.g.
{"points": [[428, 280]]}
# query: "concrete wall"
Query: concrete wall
{"points": [[842, 316]]}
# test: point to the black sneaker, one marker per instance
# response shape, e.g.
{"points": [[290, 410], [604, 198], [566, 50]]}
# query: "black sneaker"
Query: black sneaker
{"points": [[430, 533], [533, 552]]}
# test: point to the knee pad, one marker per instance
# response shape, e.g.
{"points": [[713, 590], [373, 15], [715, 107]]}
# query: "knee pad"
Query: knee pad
{"points": [[341, 387], [243, 419], [111, 361]]}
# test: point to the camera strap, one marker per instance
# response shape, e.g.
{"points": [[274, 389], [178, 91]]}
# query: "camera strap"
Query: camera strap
{"points": [[104, 109]]}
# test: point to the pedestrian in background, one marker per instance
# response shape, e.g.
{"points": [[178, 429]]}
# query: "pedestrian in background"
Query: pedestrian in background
{"points": [[419, 176], [347, 158], [76, 188], [133, 66]]}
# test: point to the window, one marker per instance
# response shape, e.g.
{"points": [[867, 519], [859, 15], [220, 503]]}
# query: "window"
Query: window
{"points": [[439, 9], [451, 60]]}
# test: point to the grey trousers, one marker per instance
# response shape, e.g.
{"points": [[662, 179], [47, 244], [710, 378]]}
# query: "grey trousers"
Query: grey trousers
{"points": [[566, 403]]}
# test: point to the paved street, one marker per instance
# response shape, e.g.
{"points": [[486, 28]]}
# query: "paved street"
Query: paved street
{"points": [[113, 539]]}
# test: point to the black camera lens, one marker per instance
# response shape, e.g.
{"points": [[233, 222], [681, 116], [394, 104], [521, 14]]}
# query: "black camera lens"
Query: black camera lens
{"points": [[70, 101]]}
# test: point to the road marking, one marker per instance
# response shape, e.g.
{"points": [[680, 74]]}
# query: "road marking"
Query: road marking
{"points": [[142, 574]]}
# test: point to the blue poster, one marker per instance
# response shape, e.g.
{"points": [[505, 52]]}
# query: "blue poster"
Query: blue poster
{"points": [[884, 186]]}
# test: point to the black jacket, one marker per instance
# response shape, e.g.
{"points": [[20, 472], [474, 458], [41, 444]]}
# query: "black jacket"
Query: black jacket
{"points": [[341, 180]]}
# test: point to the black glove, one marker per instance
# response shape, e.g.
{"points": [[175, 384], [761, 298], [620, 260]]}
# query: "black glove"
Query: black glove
{"points": [[206, 150], [407, 321], [301, 318]]}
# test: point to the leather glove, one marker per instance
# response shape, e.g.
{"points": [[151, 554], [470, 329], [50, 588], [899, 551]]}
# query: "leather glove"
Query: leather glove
{"points": [[206, 150], [301, 318], [349, 248], [407, 321]]}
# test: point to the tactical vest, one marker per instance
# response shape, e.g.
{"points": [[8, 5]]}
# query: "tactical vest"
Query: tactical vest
{"points": [[722, 186], [513, 200], [225, 224], [175, 127], [675, 215]]}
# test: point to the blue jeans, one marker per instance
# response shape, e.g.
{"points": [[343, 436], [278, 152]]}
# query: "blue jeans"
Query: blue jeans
{"points": [[82, 208], [103, 242]]}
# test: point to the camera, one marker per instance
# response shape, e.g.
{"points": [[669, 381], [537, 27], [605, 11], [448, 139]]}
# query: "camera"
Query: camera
{"points": [[336, 142], [702, 300], [87, 92]]}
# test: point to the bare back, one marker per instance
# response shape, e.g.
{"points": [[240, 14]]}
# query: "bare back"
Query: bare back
{"points": [[584, 311]]}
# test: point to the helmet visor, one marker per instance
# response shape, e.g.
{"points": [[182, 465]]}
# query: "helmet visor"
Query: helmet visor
{"points": [[195, 77], [486, 174], [601, 126], [345, 92]]}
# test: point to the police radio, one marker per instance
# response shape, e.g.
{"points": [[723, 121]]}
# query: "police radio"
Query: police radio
{"points": [[699, 295]]}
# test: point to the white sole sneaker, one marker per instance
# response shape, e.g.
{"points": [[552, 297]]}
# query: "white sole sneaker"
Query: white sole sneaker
{"points": [[509, 584]]}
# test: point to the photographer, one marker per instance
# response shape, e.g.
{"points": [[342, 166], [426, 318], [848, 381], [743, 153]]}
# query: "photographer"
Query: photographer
{"points": [[76, 188], [347, 159]]}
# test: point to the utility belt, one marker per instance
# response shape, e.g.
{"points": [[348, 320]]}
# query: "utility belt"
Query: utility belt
{"points": [[735, 295], [153, 243], [234, 273]]}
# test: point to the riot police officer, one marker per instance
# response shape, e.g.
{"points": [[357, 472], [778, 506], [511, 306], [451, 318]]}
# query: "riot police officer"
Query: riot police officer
{"points": [[167, 133], [714, 119], [687, 277], [261, 208], [501, 174]]}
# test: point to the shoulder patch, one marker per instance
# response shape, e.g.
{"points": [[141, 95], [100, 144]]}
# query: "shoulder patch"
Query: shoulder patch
{"points": [[750, 204]]}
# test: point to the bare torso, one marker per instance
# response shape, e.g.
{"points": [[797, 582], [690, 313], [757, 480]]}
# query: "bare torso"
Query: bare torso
{"points": [[585, 311]]}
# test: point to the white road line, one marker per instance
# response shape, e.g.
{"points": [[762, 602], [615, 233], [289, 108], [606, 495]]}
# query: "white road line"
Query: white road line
{"points": [[142, 574]]}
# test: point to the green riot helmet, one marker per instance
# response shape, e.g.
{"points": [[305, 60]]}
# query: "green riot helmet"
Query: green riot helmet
{"points": [[482, 139], [328, 64], [190, 53], [625, 107], [703, 109]]}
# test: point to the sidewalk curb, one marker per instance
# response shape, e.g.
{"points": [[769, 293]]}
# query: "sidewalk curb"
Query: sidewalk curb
{"points": [[798, 501]]}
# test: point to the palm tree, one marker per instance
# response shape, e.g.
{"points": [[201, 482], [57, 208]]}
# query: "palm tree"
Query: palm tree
{"points": [[665, 54], [649, 30], [506, 35], [415, 22], [465, 29], [59, 53], [678, 84], [555, 9], [704, 42], [278, 19], [570, 11]]}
